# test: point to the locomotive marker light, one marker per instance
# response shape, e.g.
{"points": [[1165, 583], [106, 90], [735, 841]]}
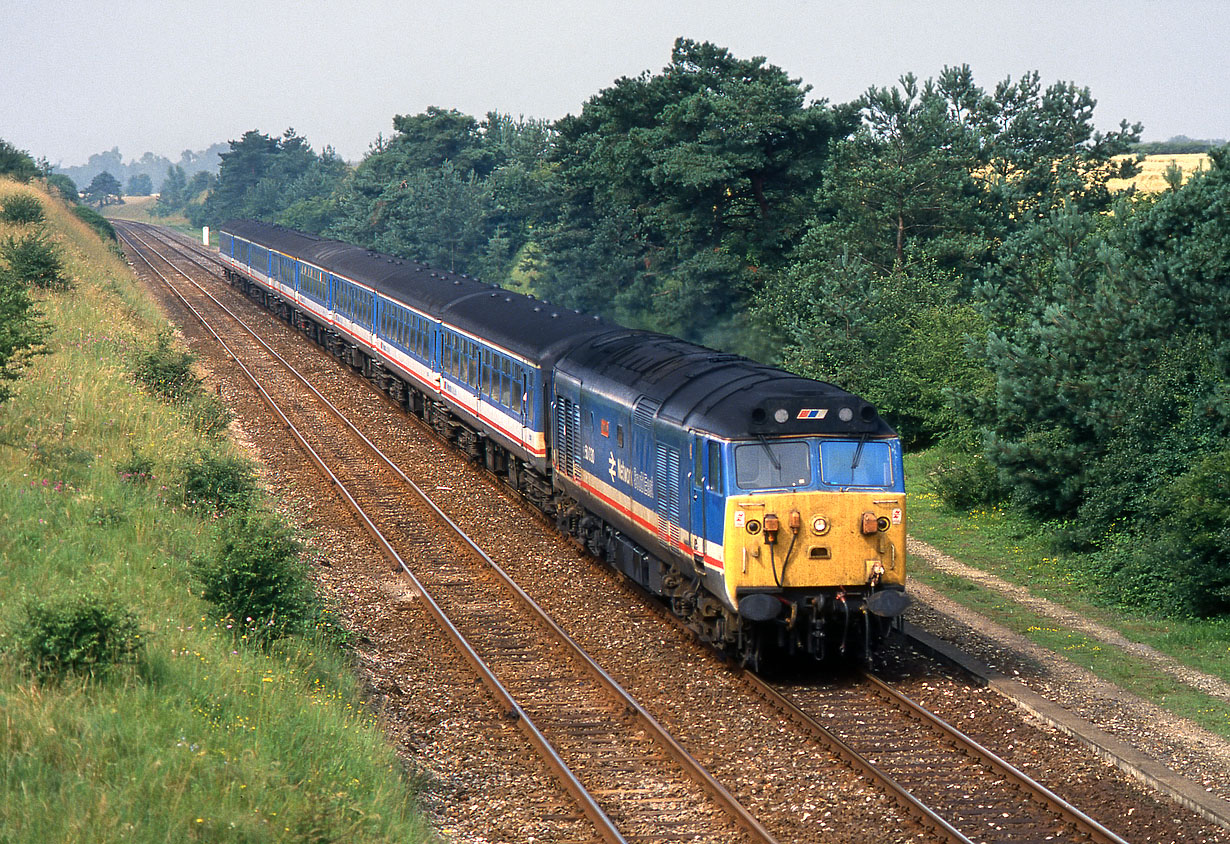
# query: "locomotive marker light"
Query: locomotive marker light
{"points": [[781, 415], [870, 525], [820, 525], [771, 527], [846, 414]]}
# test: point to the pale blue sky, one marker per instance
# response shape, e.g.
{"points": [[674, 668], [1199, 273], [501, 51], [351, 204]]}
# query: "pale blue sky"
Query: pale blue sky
{"points": [[78, 78]]}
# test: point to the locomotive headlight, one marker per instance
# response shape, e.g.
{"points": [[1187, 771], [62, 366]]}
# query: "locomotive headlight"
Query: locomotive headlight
{"points": [[819, 525]]}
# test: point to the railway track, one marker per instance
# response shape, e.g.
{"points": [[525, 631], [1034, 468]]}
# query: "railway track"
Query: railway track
{"points": [[974, 793], [628, 774], [956, 799]]}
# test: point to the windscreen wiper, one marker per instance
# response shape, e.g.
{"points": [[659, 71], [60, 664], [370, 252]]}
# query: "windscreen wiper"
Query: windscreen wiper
{"points": [[858, 452], [769, 451]]}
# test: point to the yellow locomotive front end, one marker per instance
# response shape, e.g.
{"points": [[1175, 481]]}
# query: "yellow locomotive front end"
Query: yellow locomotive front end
{"points": [[814, 542]]}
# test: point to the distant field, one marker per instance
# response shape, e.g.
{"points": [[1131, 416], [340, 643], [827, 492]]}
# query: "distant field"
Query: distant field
{"points": [[135, 208], [138, 208], [1152, 178]]}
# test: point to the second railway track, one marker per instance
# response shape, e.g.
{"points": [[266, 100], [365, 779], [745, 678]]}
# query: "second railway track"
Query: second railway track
{"points": [[786, 774]]}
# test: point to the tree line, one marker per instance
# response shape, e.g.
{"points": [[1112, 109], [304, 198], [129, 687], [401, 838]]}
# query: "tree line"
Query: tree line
{"points": [[951, 251], [147, 174]]}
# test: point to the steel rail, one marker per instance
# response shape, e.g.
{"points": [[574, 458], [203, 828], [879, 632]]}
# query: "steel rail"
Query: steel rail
{"points": [[513, 709], [907, 799], [701, 775], [904, 797], [1083, 823]]}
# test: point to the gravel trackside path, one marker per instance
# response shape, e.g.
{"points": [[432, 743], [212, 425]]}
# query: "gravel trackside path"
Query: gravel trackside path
{"points": [[1178, 743]]}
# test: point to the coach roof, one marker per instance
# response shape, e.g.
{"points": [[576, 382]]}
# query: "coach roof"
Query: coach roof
{"points": [[531, 328]]}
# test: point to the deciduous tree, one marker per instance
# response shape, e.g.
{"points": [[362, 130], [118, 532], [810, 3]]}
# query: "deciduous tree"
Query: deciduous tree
{"points": [[140, 185]]}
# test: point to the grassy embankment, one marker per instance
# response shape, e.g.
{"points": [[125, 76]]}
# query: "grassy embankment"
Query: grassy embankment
{"points": [[996, 541], [205, 736]]}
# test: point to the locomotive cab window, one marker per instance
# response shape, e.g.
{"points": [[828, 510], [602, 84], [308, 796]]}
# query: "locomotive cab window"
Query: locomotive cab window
{"points": [[773, 465], [853, 463]]}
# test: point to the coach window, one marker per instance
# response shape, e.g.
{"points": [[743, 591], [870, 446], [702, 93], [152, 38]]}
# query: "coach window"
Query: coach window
{"points": [[698, 463]]}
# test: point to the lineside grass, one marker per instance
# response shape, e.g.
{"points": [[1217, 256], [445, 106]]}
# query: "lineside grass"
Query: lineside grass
{"points": [[206, 736], [1019, 551]]}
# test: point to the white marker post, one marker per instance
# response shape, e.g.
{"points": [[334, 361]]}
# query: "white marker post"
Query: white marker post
{"points": [[205, 235]]}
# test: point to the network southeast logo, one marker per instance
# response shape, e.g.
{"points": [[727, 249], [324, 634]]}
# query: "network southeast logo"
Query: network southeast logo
{"points": [[630, 475], [813, 413]]}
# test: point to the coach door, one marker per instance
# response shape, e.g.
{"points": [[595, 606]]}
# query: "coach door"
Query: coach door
{"points": [[523, 407]]}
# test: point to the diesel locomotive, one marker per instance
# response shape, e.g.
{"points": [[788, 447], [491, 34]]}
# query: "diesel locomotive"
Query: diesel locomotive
{"points": [[767, 509]]}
